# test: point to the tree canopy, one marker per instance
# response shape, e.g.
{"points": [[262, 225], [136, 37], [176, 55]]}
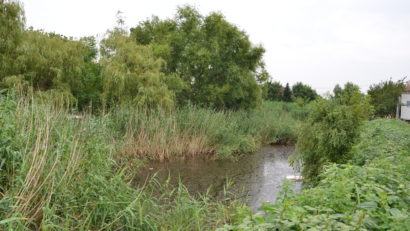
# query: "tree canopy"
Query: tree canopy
{"points": [[274, 91], [161, 63], [131, 74], [215, 60], [11, 29], [303, 91], [384, 97], [350, 95]]}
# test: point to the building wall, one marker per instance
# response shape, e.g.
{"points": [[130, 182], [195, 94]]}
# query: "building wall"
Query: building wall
{"points": [[405, 106]]}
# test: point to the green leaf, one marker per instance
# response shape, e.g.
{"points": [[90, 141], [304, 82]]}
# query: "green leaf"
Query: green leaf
{"points": [[8, 220], [367, 205]]}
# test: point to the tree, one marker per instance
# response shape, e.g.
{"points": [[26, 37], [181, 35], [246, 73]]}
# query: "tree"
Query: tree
{"points": [[305, 92], [331, 129], [57, 68], [215, 60], [11, 29], [384, 97], [350, 95], [274, 91], [326, 137], [131, 74], [287, 94]]}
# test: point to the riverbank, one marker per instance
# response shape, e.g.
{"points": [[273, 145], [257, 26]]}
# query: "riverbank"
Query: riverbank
{"points": [[62, 172], [371, 192], [196, 132]]}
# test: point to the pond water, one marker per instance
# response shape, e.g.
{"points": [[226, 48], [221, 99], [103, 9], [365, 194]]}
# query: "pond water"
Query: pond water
{"points": [[254, 177]]}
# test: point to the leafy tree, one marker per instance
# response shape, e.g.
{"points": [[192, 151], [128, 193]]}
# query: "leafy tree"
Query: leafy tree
{"points": [[384, 97], [215, 60], [350, 95], [337, 91], [11, 29], [331, 130], [57, 67], [287, 94], [326, 137], [274, 91], [305, 92], [89, 91], [131, 74]]}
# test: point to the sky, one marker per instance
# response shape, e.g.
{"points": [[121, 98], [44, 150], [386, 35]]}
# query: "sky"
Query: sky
{"points": [[318, 42]]}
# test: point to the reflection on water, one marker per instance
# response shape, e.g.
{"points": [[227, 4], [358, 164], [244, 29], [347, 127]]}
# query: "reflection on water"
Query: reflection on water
{"points": [[255, 177]]}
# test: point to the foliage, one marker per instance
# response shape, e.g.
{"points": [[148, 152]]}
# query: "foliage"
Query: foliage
{"points": [[191, 131], [303, 91], [10, 156], [326, 137], [131, 74], [274, 91], [330, 131], [11, 28], [350, 95], [287, 94], [51, 63], [216, 61], [384, 97], [374, 196], [62, 173]]}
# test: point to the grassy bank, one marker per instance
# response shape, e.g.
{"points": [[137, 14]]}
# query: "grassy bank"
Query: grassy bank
{"points": [[63, 173], [192, 131], [370, 193]]}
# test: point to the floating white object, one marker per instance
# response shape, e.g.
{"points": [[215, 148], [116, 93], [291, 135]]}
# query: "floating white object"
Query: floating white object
{"points": [[294, 178]]}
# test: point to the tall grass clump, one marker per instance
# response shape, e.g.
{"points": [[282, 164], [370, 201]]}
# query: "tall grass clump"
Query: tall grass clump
{"points": [[60, 172], [192, 131], [372, 192]]}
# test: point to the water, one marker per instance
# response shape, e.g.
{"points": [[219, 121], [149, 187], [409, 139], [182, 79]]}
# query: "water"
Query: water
{"points": [[255, 177]]}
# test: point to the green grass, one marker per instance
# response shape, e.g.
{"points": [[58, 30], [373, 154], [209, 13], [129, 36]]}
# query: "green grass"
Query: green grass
{"points": [[191, 131], [62, 173], [370, 193]]}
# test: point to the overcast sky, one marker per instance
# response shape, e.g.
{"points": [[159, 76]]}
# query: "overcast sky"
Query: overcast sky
{"points": [[318, 42]]}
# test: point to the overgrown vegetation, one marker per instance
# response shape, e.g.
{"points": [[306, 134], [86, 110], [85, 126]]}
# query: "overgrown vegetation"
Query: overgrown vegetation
{"points": [[87, 115], [370, 193], [330, 131], [384, 97], [70, 172], [61, 174]]}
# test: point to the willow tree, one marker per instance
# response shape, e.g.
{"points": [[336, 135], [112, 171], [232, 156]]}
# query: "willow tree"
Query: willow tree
{"points": [[131, 74], [215, 60], [11, 28], [54, 65]]}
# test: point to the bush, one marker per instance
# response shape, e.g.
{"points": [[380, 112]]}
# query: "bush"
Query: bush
{"points": [[371, 196], [327, 137]]}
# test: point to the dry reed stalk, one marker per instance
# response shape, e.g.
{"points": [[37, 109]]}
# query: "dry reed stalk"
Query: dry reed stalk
{"points": [[161, 146], [41, 181]]}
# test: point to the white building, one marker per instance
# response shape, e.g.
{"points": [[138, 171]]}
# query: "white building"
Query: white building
{"points": [[405, 106], [405, 103]]}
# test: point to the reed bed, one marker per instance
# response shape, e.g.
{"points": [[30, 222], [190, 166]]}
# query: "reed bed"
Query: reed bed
{"points": [[197, 132], [65, 172]]}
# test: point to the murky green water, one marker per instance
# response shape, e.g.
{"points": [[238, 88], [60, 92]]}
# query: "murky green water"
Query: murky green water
{"points": [[254, 177]]}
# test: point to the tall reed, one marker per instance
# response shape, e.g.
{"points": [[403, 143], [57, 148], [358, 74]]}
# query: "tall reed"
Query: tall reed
{"points": [[62, 173], [191, 131]]}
